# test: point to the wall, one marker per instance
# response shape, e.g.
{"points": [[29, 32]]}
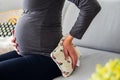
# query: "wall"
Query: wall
{"points": [[6, 5]]}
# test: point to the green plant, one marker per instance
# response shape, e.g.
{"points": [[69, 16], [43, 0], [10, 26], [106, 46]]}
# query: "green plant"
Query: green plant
{"points": [[111, 71]]}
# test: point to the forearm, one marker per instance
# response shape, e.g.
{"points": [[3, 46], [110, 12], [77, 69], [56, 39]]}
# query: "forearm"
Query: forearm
{"points": [[88, 10]]}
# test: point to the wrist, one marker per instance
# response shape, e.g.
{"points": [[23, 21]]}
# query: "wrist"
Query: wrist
{"points": [[69, 38]]}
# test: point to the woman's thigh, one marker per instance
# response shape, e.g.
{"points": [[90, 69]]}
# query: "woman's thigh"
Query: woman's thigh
{"points": [[29, 67], [9, 55]]}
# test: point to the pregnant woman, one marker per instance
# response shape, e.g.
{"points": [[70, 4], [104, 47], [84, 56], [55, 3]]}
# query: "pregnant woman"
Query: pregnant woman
{"points": [[37, 33]]}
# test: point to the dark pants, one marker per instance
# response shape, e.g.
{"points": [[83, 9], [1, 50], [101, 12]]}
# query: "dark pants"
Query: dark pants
{"points": [[28, 67]]}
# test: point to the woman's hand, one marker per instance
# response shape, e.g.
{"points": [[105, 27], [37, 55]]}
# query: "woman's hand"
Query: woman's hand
{"points": [[69, 50], [13, 40]]}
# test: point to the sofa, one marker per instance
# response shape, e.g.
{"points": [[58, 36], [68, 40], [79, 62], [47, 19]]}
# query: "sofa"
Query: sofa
{"points": [[101, 41]]}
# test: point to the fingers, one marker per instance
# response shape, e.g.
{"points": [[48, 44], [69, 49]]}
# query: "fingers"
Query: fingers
{"points": [[66, 54], [12, 32], [73, 56], [13, 40], [16, 48], [70, 52], [74, 63], [74, 59], [15, 45]]}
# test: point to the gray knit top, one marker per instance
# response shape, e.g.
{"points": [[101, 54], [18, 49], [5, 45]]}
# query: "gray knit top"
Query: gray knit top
{"points": [[39, 30]]}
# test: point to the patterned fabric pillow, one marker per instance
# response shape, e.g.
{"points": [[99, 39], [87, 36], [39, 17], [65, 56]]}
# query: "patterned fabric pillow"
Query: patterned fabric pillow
{"points": [[8, 22], [7, 27], [59, 58]]}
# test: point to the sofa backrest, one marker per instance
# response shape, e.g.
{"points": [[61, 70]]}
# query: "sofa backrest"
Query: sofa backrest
{"points": [[6, 5], [103, 33]]}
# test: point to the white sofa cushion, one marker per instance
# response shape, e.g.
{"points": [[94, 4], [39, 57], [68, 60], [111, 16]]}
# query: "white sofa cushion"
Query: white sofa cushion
{"points": [[103, 32], [5, 45], [89, 59]]}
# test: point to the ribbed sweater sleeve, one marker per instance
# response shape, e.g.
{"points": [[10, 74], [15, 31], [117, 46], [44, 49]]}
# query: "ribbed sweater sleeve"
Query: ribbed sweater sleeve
{"points": [[88, 10]]}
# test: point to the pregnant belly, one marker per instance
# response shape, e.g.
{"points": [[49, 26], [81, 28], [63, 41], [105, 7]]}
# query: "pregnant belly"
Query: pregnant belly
{"points": [[31, 39]]}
